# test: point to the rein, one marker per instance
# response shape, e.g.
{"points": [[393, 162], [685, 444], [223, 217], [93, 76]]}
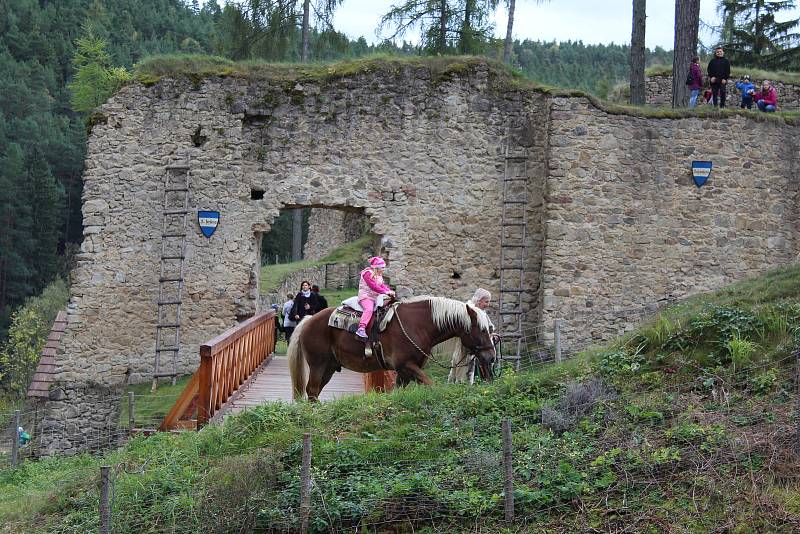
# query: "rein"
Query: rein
{"points": [[473, 351]]}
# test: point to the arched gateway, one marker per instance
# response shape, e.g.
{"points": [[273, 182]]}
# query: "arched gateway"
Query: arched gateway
{"points": [[426, 152]]}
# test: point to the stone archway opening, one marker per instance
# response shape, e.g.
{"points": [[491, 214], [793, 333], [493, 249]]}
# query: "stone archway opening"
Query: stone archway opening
{"points": [[334, 243]]}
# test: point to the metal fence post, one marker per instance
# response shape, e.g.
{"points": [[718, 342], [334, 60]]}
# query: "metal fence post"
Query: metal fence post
{"points": [[15, 444], [131, 412], [557, 333], [305, 484], [508, 486], [105, 510]]}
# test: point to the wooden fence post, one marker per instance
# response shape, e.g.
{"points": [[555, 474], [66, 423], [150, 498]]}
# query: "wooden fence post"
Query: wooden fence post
{"points": [[508, 468], [305, 484], [105, 510], [15, 444], [131, 412], [797, 400], [557, 333]]}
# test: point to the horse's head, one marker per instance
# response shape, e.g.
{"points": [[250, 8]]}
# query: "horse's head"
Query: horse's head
{"points": [[478, 340]]}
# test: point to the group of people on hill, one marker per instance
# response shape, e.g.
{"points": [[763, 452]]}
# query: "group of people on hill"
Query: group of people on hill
{"points": [[719, 73]]}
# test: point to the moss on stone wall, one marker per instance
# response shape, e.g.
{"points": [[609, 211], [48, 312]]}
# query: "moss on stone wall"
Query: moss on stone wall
{"points": [[438, 69]]}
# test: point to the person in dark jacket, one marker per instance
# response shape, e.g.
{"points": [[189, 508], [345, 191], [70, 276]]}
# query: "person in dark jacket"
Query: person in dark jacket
{"points": [[719, 70], [323, 303], [697, 80], [305, 303]]}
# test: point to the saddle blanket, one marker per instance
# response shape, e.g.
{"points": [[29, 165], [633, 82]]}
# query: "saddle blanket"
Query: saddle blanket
{"points": [[347, 316]]}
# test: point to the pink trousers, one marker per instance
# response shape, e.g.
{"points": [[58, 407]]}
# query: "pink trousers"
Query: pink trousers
{"points": [[369, 306]]}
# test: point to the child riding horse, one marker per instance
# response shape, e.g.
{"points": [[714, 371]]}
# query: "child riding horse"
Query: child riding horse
{"points": [[317, 350]]}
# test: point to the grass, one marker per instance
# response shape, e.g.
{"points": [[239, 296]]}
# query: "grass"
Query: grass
{"points": [[272, 276], [440, 68], [151, 407], [684, 425], [197, 66]]}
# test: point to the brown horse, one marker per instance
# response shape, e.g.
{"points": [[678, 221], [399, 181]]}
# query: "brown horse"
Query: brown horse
{"points": [[418, 325]]}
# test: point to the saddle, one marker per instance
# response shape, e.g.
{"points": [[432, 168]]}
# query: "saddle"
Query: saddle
{"points": [[347, 316]]}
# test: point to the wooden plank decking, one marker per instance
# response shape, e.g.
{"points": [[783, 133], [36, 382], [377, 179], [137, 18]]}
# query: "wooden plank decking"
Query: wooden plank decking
{"points": [[274, 384]]}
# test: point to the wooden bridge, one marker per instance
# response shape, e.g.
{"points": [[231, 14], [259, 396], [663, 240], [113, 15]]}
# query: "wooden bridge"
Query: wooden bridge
{"points": [[239, 370]]}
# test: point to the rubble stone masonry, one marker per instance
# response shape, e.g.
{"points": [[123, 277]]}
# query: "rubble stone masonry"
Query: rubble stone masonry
{"points": [[615, 222]]}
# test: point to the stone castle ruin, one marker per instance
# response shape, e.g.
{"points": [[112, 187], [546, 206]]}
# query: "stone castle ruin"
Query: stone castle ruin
{"points": [[614, 220]]}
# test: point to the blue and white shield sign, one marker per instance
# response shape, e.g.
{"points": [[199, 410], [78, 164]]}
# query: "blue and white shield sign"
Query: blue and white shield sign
{"points": [[208, 220], [701, 170]]}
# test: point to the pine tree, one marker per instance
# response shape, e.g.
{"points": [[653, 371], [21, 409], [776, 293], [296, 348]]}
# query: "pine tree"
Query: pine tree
{"points": [[46, 198], [753, 36], [446, 26], [93, 82], [15, 240]]}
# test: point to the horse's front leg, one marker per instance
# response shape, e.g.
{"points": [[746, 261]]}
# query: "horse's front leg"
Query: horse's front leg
{"points": [[413, 371]]}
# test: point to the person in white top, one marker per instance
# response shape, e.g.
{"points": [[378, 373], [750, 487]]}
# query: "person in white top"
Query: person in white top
{"points": [[462, 368], [288, 322]]}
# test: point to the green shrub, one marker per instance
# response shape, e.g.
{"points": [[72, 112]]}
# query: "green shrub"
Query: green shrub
{"points": [[740, 350], [30, 326]]}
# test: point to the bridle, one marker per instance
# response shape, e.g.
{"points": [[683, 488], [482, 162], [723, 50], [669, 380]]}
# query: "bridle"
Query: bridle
{"points": [[472, 351]]}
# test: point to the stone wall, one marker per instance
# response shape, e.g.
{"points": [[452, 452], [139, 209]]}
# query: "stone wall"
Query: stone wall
{"points": [[615, 224], [329, 229], [420, 154], [658, 92], [627, 228]]}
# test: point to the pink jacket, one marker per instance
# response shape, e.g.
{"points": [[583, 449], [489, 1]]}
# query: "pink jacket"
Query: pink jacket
{"points": [[769, 98], [369, 286]]}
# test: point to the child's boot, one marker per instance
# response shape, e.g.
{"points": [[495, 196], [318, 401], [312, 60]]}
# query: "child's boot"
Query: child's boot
{"points": [[361, 332]]}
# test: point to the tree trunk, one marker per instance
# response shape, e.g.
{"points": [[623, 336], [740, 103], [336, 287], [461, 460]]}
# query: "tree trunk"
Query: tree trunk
{"points": [[507, 45], [442, 47], [297, 234], [687, 22], [306, 13], [637, 52], [466, 28]]}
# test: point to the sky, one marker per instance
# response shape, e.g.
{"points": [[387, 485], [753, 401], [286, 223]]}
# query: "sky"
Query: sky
{"points": [[592, 21]]}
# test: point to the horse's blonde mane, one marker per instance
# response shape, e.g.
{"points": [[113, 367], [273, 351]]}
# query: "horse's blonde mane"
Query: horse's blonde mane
{"points": [[448, 312]]}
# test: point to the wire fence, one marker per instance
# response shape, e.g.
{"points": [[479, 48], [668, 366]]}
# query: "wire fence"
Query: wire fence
{"points": [[487, 479]]}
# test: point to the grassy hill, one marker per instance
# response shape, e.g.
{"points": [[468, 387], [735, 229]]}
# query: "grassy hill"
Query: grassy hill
{"points": [[686, 425]]}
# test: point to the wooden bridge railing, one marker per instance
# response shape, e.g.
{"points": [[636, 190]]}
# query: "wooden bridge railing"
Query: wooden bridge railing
{"points": [[226, 362]]}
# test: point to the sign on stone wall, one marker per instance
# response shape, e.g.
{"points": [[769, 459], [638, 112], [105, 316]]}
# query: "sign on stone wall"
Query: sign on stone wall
{"points": [[208, 221], [701, 170]]}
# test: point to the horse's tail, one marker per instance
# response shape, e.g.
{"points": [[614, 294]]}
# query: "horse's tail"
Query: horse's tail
{"points": [[298, 368]]}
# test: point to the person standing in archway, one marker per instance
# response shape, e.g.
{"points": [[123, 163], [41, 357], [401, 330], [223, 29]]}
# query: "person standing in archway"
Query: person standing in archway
{"points": [[305, 303], [288, 322], [321, 301]]}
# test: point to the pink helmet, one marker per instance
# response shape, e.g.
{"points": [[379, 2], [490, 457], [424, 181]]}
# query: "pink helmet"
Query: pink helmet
{"points": [[377, 263]]}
